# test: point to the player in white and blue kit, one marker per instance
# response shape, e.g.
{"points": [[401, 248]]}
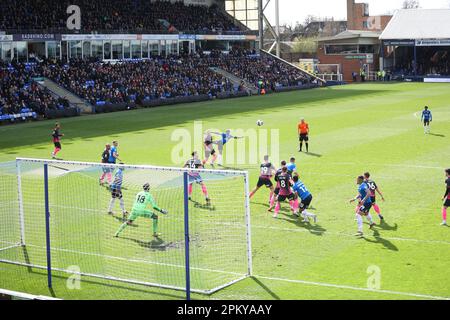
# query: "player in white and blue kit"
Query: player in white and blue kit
{"points": [[225, 137], [364, 204], [427, 118], [305, 197], [116, 192]]}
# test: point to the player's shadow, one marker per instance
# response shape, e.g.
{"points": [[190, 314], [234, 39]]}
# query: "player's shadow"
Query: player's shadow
{"points": [[385, 226], [312, 154], [122, 220], [203, 206], [314, 229], [379, 240], [157, 244], [437, 135]]}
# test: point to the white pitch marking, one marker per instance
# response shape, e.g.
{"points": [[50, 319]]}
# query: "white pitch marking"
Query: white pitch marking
{"points": [[351, 236], [320, 284]]}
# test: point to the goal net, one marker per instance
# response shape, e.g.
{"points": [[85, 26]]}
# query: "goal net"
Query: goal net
{"points": [[77, 232]]}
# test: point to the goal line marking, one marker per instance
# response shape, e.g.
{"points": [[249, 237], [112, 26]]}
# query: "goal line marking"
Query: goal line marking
{"points": [[329, 285]]}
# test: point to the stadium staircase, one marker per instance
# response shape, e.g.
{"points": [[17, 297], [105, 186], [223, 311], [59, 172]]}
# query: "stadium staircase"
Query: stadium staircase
{"points": [[320, 81], [236, 80], [74, 100]]}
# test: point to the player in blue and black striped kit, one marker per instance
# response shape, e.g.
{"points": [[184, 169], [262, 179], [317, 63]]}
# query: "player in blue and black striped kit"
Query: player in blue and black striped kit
{"points": [[364, 204], [427, 118]]}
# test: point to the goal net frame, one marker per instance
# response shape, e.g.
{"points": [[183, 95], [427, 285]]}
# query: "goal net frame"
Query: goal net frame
{"points": [[48, 232]]}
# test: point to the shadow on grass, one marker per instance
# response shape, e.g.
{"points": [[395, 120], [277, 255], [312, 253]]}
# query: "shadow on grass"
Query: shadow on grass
{"points": [[312, 154], [92, 126], [107, 285], [437, 135], [379, 240], [314, 229], [156, 244], [265, 288]]}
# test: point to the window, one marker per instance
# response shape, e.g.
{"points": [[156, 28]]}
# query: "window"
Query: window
{"points": [[117, 53], [341, 49]]}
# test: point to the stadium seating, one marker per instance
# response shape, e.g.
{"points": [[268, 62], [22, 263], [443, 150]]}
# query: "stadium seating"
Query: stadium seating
{"points": [[137, 81], [114, 16], [21, 98], [261, 70], [122, 85]]}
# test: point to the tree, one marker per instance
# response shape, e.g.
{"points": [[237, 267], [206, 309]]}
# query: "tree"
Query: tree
{"points": [[411, 4]]}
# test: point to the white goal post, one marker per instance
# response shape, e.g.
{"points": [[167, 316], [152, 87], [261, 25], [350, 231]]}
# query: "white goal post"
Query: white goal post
{"points": [[55, 216]]}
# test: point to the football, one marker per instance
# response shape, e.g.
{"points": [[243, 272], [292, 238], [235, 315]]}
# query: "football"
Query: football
{"points": [[259, 123]]}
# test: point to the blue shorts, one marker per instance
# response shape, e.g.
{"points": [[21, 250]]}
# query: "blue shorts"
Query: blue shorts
{"points": [[194, 179]]}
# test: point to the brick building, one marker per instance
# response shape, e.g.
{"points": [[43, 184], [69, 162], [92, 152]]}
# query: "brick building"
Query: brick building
{"points": [[359, 46]]}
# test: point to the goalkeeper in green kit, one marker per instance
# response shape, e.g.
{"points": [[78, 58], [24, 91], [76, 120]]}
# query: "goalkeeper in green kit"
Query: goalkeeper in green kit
{"points": [[140, 209]]}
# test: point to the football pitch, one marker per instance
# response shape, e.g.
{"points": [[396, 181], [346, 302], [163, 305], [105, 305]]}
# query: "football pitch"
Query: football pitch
{"points": [[354, 128]]}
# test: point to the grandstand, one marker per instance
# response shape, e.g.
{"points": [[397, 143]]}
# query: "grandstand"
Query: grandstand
{"points": [[128, 54], [417, 45]]}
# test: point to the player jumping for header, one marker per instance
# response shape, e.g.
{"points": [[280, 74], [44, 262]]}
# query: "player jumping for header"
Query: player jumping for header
{"points": [[141, 205], [266, 172], [446, 199], [224, 138], [364, 205], [116, 192], [209, 148], [373, 189], [194, 176], [305, 200], [427, 118], [56, 137]]}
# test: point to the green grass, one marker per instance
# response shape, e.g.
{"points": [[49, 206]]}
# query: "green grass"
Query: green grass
{"points": [[370, 127]]}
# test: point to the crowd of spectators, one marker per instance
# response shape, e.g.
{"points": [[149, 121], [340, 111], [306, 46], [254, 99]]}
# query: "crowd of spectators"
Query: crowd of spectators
{"points": [[140, 81], [431, 61], [20, 94], [156, 78], [261, 70], [114, 15]]}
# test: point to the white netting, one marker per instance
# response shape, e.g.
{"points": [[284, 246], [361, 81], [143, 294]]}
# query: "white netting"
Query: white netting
{"points": [[82, 231]]}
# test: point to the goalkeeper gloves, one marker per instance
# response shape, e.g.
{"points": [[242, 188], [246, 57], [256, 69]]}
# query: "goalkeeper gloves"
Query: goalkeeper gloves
{"points": [[164, 211]]}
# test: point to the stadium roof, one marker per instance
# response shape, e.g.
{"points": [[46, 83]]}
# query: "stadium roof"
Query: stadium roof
{"points": [[352, 34], [418, 24]]}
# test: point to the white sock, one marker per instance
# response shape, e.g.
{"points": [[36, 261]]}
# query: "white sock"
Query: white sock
{"points": [[369, 217], [360, 222], [307, 214], [122, 205], [111, 204]]}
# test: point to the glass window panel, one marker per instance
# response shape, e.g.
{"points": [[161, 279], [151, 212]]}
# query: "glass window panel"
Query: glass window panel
{"points": [[126, 50], [117, 53], [75, 49], [107, 50], [97, 49], [145, 49], [86, 49], [6, 51], [136, 49]]}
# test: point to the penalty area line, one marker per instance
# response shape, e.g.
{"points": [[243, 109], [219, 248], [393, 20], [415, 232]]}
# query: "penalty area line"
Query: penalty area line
{"points": [[329, 285]]}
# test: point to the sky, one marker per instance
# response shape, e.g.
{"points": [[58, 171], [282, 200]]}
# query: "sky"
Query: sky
{"points": [[297, 10]]}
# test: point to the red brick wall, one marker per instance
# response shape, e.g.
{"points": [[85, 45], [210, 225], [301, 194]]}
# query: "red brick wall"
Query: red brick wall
{"points": [[356, 18], [348, 66]]}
